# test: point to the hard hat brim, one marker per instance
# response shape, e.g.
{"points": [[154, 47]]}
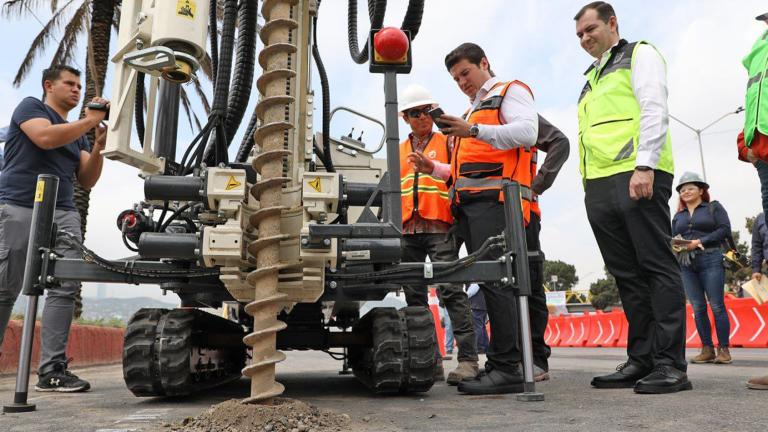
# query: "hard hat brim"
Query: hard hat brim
{"points": [[415, 104], [702, 185]]}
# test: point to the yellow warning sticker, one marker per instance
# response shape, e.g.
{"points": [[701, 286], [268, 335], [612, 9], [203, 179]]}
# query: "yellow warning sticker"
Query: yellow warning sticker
{"points": [[316, 184], [39, 191], [232, 183], [186, 8]]}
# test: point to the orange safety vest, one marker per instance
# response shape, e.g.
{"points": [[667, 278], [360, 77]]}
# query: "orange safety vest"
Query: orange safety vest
{"points": [[479, 169], [534, 169], [421, 192]]}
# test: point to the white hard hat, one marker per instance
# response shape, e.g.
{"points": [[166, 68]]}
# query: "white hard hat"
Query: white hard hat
{"points": [[414, 96]]}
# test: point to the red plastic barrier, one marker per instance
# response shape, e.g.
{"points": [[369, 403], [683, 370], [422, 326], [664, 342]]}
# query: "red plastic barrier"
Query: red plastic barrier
{"points": [[87, 345], [576, 330], [553, 334], [692, 339], [604, 329], [749, 323]]}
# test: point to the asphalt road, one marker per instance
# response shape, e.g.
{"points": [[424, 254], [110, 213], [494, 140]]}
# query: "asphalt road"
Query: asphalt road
{"points": [[719, 400]]}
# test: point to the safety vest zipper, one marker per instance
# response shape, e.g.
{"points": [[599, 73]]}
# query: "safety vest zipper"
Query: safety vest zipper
{"points": [[610, 121]]}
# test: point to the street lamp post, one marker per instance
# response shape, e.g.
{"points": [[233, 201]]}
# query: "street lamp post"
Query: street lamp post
{"points": [[699, 131]]}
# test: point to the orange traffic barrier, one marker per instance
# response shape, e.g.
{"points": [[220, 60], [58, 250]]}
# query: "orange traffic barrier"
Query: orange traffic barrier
{"points": [[439, 330], [604, 329], [553, 333], [575, 332], [749, 323]]}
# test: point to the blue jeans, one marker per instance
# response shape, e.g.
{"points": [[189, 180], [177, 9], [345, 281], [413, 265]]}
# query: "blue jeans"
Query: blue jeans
{"points": [[762, 173], [479, 319], [705, 279], [449, 341]]}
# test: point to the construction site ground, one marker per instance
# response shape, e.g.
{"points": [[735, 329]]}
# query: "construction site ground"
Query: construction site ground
{"points": [[719, 401]]}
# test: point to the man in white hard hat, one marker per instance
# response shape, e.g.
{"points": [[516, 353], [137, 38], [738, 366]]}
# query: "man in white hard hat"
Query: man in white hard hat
{"points": [[427, 220]]}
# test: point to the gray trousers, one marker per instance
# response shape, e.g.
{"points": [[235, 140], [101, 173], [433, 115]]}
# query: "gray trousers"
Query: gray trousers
{"points": [[416, 247], [15, 225]]}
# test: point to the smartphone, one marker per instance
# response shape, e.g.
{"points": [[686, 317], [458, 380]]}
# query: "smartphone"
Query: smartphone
{"points": [[435, 113]]}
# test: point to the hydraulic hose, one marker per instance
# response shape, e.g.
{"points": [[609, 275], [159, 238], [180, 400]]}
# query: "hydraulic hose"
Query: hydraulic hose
{"points": [[247, 143], [376, 10], [218, 143], [242, 80], [213, 30], [326, 156], [138, 107]]}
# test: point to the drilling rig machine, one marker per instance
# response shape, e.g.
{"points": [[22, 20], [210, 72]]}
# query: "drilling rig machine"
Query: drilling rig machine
{"points": [[269, 230]]}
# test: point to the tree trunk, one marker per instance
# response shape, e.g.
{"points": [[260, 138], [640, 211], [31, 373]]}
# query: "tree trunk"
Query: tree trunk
{"points": [[97, 58]]}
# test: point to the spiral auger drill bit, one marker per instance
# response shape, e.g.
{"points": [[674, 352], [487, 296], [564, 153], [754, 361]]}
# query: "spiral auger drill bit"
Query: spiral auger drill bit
{"points": [[272, 138]]}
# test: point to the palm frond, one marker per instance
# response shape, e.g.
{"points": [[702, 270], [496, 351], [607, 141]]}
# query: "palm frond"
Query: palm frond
{"points": [[188, 109], [17, 8], [207, 67], [201, 94], [116, 17], [39, 43], [77, 25]]}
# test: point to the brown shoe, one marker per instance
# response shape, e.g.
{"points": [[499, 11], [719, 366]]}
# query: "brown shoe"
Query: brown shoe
{"points": [[758, 383], [707, 355], [723, 356], [465, 370], [439, 373]]}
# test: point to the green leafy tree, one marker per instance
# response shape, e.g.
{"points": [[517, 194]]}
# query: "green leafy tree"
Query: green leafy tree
{"points": [[604, 293], [566, 275]]}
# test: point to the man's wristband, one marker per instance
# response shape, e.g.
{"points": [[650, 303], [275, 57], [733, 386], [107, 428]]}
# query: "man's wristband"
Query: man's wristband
{"points": [[643, 168]]}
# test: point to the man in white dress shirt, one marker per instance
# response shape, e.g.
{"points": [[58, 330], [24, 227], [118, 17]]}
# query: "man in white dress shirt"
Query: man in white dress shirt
{"points": [[626, 164], [494, 141]]}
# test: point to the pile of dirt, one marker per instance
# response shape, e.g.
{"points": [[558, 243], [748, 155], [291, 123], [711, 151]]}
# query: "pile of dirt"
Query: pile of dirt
{"points": [[284, 415]]}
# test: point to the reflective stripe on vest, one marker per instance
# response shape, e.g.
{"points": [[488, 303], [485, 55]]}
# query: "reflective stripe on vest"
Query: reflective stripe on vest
{"points": [[479, 169], [755, 107], [609, 119], [421, 192]]}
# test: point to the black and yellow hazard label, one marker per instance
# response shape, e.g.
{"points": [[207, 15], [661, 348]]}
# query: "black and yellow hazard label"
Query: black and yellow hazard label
{"points": [[186, 8], [232, 183], [316, 184], [39, 191]]}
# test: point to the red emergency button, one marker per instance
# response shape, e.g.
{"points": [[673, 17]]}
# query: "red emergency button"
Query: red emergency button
{"points": [[390, 46]]}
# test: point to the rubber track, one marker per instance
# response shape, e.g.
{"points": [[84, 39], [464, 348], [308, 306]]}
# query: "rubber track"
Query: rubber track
{"points": [[157, 349], [402, 358]]}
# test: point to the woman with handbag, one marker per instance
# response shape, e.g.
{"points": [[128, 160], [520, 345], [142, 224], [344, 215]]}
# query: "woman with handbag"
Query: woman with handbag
{"points": [[706, 225]]}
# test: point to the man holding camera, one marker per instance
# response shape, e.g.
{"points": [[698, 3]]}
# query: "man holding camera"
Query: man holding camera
{"points": [[427, 220], [42, 141]]}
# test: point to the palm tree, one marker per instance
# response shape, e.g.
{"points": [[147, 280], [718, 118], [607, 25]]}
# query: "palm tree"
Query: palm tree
{"points": [[94, 19]]}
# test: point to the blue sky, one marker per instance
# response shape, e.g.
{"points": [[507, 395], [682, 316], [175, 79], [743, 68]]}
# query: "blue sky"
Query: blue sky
{"points": [[703, 42]]}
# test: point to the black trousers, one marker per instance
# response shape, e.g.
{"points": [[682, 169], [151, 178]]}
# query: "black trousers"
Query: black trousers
{"points": [[633, 237], [537, 302], [416, 247], [477, 221]]}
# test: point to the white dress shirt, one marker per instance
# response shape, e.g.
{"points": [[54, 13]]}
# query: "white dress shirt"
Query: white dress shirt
{"points": [[649, 84], [520, 121]]}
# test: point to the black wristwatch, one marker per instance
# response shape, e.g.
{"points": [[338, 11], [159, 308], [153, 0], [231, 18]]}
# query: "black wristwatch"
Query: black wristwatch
{"points": [[643, 168], [474, 130]]}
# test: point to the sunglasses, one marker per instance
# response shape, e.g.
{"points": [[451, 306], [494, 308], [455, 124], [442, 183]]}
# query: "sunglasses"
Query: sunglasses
{"points": [[417, 112]]}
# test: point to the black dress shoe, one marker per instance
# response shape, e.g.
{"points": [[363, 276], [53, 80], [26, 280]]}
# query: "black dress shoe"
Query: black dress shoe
{"points": [[664, 379], [493, 381], [626, 376]]}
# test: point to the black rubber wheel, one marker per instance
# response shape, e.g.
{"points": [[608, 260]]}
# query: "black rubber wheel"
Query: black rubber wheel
{"points": [[402, 356], [159, 348]]}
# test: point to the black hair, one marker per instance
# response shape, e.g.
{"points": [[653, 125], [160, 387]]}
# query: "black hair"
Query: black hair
{"points": [[54, 72], [467, 51]]}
